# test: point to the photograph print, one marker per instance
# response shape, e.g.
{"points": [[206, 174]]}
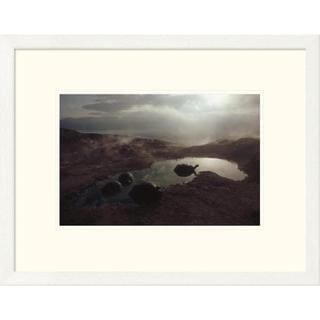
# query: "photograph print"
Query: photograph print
{"points": [[160, 159]]}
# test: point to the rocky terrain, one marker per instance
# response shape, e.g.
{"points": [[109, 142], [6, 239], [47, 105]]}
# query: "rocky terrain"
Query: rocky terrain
{"points": [[209, 199]]}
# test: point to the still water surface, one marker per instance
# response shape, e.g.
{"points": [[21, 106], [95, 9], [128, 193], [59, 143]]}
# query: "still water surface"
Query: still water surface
{"points": [[162, 173]]}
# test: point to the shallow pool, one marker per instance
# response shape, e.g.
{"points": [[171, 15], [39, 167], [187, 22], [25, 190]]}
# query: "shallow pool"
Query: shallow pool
{"points": [[162, 173]]}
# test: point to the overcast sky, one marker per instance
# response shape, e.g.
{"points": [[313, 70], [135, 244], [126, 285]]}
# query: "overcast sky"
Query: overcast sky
{"points": [[190, 119]]}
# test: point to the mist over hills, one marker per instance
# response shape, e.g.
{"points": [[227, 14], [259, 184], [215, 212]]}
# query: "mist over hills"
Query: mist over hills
{"points": [[103, 136], [188, 119]]}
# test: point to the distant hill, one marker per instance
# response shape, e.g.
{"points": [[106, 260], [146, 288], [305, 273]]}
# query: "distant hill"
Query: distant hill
{"points": [[106, 154]]}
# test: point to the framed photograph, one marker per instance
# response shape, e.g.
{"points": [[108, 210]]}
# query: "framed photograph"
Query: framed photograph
{"points": [[159, 160]]}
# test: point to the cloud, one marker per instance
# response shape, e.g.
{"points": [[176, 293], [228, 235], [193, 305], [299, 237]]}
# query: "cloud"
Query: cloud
{"points": [[185, 102], [192, 119]]}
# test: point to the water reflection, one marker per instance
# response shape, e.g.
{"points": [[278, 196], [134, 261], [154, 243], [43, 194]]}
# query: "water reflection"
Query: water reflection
{"points": [[161, 172]]}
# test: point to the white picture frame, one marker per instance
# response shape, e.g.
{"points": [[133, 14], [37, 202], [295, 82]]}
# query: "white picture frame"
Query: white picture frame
{"points": [[8, 46]]}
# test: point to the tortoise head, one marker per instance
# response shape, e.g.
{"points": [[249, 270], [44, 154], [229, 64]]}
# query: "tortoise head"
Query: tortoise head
{"points": [[194, 169]]}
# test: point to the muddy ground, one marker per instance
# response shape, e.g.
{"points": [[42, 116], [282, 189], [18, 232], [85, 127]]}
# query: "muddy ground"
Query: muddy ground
{"points": [[209, 199]]}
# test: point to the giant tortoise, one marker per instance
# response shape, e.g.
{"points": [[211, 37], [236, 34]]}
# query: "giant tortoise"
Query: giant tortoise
{"points": [[145, 193], [185, 170]]}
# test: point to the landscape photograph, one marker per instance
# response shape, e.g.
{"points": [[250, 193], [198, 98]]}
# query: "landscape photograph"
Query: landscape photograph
{"points": [[160, 159]]}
